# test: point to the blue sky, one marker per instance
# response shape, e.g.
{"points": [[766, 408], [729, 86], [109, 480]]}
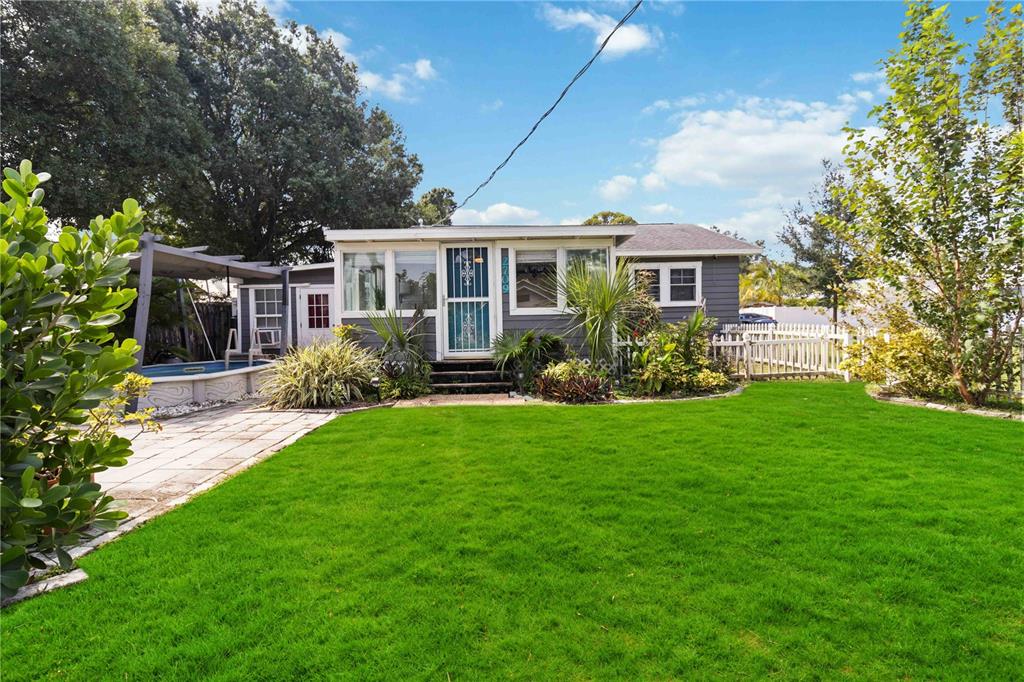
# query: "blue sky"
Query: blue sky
{"points": [[706, 112]]}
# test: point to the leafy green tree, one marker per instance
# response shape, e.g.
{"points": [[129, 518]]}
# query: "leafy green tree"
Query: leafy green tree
{"points": [[828, 260], [436, 206], [291, 149], [771, 282], [610, 218], [60, 299], [937, 189], [91, 92], [745, 261]]}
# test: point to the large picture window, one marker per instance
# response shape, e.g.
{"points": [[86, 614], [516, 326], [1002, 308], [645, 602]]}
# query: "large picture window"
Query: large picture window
{"points": [[536, 279], [363, 277], [537, 271], [415, 280], [672, 284]]}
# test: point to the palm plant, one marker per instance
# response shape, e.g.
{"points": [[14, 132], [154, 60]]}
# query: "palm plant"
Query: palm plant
{"points": [[401, 345], [526, 352], [599, 303]]}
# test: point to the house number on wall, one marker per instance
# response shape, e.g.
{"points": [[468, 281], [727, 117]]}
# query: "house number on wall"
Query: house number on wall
{"points": [[504, 274]]}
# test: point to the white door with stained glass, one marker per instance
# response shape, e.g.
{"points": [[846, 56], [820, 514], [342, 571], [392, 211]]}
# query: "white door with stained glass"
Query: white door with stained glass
{"points": [[314, 313], [468, 308]]}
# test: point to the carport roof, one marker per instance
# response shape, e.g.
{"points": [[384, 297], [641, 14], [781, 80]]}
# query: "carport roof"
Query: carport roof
{"points": [[191, 263]]}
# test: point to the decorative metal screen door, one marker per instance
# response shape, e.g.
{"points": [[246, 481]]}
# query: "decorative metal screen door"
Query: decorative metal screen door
{"points": [[468, 303]]}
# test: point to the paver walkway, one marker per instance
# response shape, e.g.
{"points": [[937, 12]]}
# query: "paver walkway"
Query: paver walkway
{"points": [[196, 451]]}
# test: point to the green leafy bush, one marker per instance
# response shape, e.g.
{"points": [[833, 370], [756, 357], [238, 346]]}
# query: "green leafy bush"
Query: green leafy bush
{"points": [[574, 381], [523, 352], [676, 358], [322, 374], [60, 361], [904, 358]]}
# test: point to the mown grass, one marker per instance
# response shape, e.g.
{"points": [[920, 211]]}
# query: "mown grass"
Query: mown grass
{"points": [[799, 530]]}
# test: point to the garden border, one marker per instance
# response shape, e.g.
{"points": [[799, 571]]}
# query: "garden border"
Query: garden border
{"points": [[914, 402]]}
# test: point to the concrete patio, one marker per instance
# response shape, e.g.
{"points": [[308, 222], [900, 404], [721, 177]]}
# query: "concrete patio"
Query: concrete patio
{"points": [[196, 451]]}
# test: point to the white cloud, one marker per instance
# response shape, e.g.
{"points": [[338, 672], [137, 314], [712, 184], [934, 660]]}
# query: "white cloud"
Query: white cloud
{"points": [[758, 223], [497, 214], [629, 38], [653, 182], [617, 188], [754, 143], [488, 107], [394, 87], [662, 209], [340, 40], [572, 220], [868, 76], [275, 8], [424, 70]]}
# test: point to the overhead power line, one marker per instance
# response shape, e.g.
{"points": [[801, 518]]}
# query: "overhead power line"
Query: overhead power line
{"points": [[565, 91]]}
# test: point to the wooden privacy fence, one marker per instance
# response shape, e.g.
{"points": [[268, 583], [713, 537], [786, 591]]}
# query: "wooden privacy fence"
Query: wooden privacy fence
{"points": [[764, 351]]}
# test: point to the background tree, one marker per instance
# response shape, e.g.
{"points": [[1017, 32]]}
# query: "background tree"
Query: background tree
{"points": [[769, 282], [745, 261], [937, 189], [829, 261], [291, 149], [92, 93], [156, 99], [436, 206], [610, 218]]}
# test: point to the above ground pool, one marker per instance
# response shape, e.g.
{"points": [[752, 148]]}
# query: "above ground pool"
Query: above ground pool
{"points": [[191, 368], [200, 382]]}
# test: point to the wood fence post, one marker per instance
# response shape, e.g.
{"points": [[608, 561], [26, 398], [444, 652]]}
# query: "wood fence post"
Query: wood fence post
{"points": [[747, 364], [844, 355]]}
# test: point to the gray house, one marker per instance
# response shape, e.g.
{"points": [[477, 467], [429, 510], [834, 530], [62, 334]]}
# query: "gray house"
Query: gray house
{"points": [[476, 282]]}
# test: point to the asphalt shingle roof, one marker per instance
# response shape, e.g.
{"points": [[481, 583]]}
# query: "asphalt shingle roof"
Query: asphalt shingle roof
{"points": [[681, 237]]}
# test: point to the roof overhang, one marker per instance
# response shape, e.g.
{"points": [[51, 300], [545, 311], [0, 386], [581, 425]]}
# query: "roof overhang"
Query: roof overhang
{"points": [[705, 253], [480, 232], [190, 263]]}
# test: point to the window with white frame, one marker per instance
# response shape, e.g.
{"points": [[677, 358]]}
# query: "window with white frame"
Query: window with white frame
{"points": [[363, 281], [672, 284], [536, 278], [537, 271], [402, 279], [267, 308], [415, 280]]}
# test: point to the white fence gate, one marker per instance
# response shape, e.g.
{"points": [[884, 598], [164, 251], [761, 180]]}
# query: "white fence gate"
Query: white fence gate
{"points": [[763, 351]]}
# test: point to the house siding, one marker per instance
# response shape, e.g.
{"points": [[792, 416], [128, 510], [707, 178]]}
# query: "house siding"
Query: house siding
{"points": [[720, 287]]}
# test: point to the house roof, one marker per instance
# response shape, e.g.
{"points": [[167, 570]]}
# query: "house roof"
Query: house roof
{"points": [[481, 232], [636, 240], [683, 240]]}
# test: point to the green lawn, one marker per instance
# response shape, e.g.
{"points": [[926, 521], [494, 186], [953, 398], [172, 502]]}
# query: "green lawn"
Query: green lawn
{"points": [[799, 530]]}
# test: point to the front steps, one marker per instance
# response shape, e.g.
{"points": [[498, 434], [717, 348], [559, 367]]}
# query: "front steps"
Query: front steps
{"points": [[467, 376]]}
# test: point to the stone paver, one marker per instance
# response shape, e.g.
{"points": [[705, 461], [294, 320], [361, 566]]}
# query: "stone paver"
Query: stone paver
{"points": [[195, 452]]}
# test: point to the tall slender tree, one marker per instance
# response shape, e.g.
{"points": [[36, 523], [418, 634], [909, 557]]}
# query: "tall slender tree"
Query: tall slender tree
{"points": [[938, 189], [828, 260]]}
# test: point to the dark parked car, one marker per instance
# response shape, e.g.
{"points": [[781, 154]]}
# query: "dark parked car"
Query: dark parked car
{"points": [[754, 318]]}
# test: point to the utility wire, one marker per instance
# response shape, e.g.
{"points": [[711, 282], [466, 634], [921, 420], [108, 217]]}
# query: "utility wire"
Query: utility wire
{"points": [[565, 91]]}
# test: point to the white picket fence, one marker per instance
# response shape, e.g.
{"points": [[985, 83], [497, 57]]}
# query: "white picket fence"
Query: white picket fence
{"points": [[764, 351]]}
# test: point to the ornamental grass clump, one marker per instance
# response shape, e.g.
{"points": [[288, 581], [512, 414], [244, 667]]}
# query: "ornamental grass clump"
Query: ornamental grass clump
{"points": [[322, 374]]}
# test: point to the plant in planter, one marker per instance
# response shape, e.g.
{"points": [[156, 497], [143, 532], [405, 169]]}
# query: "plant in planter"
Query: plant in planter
{"points": [[524, 352], [61, 299]]}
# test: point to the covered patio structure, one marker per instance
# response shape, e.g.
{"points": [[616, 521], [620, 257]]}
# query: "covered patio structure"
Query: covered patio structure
{"points": [[155, 259]]}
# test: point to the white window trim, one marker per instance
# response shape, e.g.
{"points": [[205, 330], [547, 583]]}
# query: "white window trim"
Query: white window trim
{"points": [[561, 259], [664, 281], [390, 293]]}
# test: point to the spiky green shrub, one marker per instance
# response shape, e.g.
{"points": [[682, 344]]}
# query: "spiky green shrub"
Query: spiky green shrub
{"points": [[322, 374], [600, 304], [524, 352], [404, 367]]}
